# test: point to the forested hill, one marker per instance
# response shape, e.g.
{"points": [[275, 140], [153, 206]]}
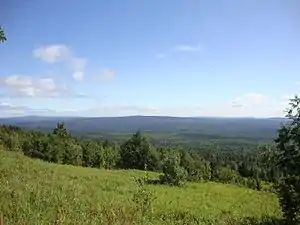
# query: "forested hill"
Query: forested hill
{"points": [[248, 128]]}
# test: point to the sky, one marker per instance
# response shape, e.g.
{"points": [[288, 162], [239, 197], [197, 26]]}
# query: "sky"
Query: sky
{"points": [[225, 58]]}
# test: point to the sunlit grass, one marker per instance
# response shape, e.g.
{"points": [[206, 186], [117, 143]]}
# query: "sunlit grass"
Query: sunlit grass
{"points": [[36, 192]]}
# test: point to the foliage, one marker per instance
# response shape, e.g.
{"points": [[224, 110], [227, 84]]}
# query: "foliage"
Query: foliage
{"points": [[60, 131], [2, 35], [143, 197], [173, 173], [288, 162], [289, 196], [135, 152], [226, 175]]}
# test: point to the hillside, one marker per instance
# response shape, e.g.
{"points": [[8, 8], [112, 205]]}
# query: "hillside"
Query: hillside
{"points": [[36, 192]]}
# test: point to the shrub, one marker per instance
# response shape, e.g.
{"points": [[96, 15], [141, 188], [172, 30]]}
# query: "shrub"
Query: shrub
{"points": [[289, 198], [143, 198], [173, 173]]}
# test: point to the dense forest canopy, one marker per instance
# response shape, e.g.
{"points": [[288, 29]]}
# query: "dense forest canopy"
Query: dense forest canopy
{"points": [[137, 152]]}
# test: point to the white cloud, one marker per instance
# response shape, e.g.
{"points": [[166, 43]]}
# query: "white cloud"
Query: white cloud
{"points": [[77, 64], [222, 110], [47, 84], [8, 107], [61, 53], [187, 48], [52, 53], [18, 81], [107, 75], [78, 75], [250, 105], [180, 48], [8, 110], [250, 99], [77, 67], [26, 86]]}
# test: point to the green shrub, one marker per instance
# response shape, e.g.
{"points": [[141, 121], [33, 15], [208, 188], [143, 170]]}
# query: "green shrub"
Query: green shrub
{"points": [[173, 173], [143, 197]]}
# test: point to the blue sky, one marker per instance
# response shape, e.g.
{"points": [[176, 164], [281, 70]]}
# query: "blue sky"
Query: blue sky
{"points": [[131, 57]]}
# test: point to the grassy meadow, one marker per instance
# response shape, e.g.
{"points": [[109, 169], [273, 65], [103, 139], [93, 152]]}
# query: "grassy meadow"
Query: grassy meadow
{"points": [[35, 192]]}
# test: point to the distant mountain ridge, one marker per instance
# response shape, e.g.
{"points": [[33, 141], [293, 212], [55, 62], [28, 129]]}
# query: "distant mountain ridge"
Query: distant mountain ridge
{"points": [[231, 127]]}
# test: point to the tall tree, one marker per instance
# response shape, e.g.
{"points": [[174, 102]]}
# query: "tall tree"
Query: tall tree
{"points": [[61, 130], [288, 161], [2, 35], [135, 153]]}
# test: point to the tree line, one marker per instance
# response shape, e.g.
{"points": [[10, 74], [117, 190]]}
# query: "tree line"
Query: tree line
{"points": [[59, 146]]}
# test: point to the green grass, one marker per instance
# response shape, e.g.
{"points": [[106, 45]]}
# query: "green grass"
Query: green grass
{"points": [[35, 192]]}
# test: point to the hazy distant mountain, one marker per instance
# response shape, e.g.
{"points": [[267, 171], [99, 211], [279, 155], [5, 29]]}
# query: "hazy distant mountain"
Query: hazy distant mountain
{"points": [[231, 127]]}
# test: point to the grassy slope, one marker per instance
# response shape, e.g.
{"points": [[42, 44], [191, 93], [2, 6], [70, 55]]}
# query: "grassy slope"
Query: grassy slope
{"points": [[35, 192]]}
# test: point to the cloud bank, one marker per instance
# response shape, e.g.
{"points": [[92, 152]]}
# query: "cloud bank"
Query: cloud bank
{"points": [[247, 105], [31, 87], [61, 53]]}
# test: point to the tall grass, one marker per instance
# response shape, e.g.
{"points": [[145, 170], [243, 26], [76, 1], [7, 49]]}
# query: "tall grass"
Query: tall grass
{"points": [[35, 192]]}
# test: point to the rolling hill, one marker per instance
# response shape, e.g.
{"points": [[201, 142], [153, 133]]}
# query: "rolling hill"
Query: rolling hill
{"points": [[245, 128], [36, 192]]}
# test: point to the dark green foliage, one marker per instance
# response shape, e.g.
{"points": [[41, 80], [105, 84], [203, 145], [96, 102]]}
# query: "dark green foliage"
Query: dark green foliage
{"points": [[186, 161], [196, 167], [2, 35], [72, 153], [289, 196], [267, 163], [90, 154], [153, 161], [173, 173], [61, 131], [288, 162], [136, 152], [226, 175], [109, 156]]}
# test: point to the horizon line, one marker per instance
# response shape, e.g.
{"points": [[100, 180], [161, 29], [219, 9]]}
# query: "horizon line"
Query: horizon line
{"points": [[195, 117]]}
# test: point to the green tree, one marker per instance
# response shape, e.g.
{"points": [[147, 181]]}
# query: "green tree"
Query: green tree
{"points": [[2, 35], [267, 160], [173, 173], [136, 152], [186, 161], [226, 175], [90, 154], [288, 161], [61, 131], [108, 156], [72, 153]]}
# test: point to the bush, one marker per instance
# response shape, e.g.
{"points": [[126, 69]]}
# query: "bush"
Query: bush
{"points": [[173, 173], [289, 198], [226, 175], [143, 198]]}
